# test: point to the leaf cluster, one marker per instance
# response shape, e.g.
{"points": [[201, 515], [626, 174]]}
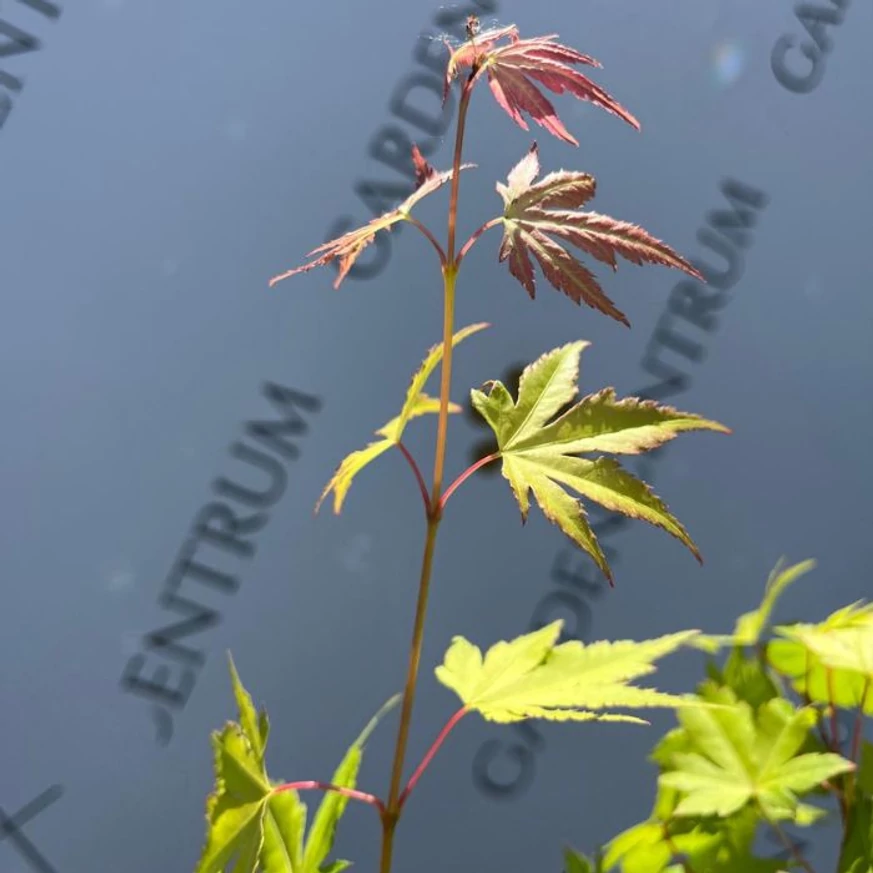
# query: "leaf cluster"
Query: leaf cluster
{"points": [[257, 824], [766, 756]]}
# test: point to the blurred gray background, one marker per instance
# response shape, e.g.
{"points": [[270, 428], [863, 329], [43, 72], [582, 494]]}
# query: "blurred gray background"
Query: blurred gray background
{"points": [[160, 162]]}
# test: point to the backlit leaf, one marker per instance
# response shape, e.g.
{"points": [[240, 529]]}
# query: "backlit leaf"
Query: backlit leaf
{"points": [[538, 220], [739, 758], [417, 403], [537, 451], [751, 625], [518, 66], [254, 823], [841, 638], [320, 839], [348, 247], [532, 677], [255, 725]]}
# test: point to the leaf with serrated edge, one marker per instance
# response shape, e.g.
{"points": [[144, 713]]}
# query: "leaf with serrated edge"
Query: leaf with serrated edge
{"points": [[738, 759], [320, 839], [537, 452], [416, 403], [750, 625], [348, 247], [234, 812], [284, 829], [532, 677], [835, 678], [539, 218], [255, 725], [517, 68]]}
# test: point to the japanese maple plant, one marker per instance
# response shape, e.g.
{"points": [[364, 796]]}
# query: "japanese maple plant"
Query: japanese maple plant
{"points": [[549, 442]]}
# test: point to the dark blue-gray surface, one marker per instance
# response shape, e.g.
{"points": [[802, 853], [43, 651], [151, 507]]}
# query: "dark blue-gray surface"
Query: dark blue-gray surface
{"points": [[159, 163]]}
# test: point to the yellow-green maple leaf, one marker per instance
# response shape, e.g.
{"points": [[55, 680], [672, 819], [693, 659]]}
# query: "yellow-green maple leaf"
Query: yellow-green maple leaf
{"points": [[830, 662], [417, 403], [738, 757], [532, 677], [254, 825], [538, 450]]}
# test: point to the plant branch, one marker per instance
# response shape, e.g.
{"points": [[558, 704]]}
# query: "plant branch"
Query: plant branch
{"points": [[668, 839], [465, 475], [351, 793], [835, 727], [392, 811], [858, 729], [476, 234], [425, 761], [789, 844], [419, 478], [433, 241]]}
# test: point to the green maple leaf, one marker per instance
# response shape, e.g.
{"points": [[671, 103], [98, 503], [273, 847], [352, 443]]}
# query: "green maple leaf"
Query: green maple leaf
{"points": [[417, 403], [532, 677], [738, 759], [538, 452], [576, 862], [253, 825], [829, 662], [856, 855], [750, 626]]}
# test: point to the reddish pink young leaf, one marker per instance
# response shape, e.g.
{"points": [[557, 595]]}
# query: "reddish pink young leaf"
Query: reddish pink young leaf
{"points": [[514, 69], [348, 247], [535, 213]]}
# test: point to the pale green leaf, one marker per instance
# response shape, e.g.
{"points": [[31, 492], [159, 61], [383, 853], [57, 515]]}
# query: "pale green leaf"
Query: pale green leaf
{"points": [[234, 812], [532, 677], [320, 839], [856, 855], [865, 769], [751, 625], [284, 829], [828, 661], [538, 449], [254, 725], [738, 759], [434, 356], [575, 862], [601, 423], [416, 404]]}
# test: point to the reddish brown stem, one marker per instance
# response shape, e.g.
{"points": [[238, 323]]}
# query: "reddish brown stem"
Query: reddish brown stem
{"points": [[842, 795], [419, 478], [433, 241], [476, 234], [835, 727], [419, 770], [858, 729], [351, 793], [465, 475], [668, 839]]}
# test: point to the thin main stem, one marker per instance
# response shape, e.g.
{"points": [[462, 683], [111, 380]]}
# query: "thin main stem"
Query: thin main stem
{"points": [[450, 270]]}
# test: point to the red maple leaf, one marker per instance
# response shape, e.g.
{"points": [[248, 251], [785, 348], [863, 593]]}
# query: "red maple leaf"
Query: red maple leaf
{"points": [[514, 69], [536, 212], [348, 247]]}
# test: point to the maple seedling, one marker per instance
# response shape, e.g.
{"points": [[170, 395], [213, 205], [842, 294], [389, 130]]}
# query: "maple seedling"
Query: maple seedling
{"points": [[549, 443]]}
